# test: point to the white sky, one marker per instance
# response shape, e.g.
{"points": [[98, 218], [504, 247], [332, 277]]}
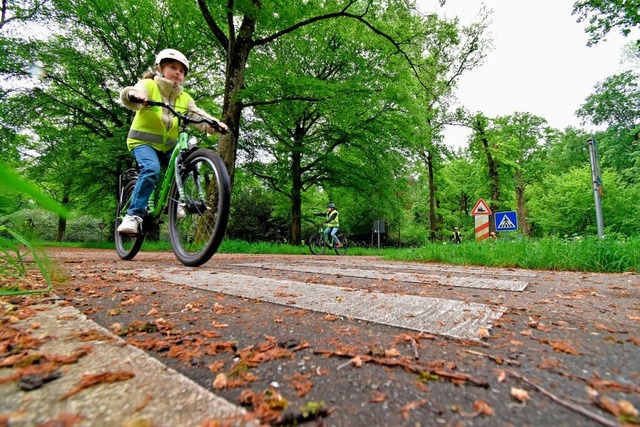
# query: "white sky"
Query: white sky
{"points": [[540, 63]]}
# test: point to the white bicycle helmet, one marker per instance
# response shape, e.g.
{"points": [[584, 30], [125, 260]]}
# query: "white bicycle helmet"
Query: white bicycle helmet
{"points": [[173, 55]]}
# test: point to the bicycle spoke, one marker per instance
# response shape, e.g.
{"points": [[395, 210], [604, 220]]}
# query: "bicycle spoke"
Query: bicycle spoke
{"points": [[197, 222]]}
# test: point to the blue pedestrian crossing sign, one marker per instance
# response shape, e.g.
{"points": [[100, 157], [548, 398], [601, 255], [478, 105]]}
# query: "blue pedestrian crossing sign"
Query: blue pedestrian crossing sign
{"points": [[506, 221]]}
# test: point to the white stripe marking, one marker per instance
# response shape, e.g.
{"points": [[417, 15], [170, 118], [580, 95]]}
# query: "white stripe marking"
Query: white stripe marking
{"points": [[483, 271], [433, 315], [464, 282]]}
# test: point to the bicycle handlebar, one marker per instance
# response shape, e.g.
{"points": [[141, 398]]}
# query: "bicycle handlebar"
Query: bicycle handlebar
{"points": [[182, 116]]}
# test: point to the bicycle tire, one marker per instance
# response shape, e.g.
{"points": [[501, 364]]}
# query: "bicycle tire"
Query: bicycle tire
{"points": [[127, 246], [197, 231], [316, 244], [342, 250]]}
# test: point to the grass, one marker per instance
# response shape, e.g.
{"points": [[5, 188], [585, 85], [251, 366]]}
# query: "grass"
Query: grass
{"points": [[17, 254], [589, 254], [593, 255]]}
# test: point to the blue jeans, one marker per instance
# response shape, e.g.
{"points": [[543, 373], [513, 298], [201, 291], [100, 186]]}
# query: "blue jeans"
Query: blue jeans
{"points": [[149, 161], [333, 231]]}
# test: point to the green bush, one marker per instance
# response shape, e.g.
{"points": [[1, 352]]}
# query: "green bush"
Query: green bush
{"points": [[42, 225]]}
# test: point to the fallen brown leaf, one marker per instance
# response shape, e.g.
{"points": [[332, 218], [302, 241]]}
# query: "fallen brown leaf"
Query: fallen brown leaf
{"points": [[562, 346], [482, 407], [519, 394], [220, 381], [377, 396], [90, 380], [411, 406]]}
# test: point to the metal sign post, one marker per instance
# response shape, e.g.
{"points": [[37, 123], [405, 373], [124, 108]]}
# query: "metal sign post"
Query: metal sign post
{"points": [[597, 183], [481, 213], [378, 228]]}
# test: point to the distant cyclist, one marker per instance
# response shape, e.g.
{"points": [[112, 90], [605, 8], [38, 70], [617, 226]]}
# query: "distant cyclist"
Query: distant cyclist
{"points": [[456, 238], [154, 131], [332, 222]]}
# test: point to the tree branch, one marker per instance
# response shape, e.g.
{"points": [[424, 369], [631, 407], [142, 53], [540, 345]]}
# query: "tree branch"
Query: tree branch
{"points": [[213, 26]]}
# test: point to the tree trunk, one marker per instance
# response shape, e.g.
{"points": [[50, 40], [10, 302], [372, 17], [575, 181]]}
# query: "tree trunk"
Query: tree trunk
{"points": [[494, 178], [62, 222], [433, 219], [296, 188], [238, 54], [522, 208]]}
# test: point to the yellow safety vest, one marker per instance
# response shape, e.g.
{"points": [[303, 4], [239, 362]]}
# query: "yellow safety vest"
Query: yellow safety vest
{"points": [[334, 222], [147, 126]]}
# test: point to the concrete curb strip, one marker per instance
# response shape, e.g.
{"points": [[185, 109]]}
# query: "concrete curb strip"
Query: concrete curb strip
{"points": [[157, 393]]}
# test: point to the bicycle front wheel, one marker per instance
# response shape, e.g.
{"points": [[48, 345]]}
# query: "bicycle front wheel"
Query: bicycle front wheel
{"points": [[342, 250], [198, 219], [316, 244], [127, 246]]}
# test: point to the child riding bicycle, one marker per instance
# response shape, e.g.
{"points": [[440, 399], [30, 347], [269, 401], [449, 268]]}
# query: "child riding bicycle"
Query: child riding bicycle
{"points": [[332, 223], [154, 131]]}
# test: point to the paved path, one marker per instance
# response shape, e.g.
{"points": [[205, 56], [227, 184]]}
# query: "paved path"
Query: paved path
{"points": [[552, 326], [154, 392]]}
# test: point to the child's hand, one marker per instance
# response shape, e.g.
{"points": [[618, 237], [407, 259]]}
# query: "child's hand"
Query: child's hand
{"points": [[222, 128], [137, 97]]}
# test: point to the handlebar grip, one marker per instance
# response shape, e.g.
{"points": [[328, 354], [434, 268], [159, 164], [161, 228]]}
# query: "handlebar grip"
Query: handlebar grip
{"points": [[222, 131], [133, 98]]}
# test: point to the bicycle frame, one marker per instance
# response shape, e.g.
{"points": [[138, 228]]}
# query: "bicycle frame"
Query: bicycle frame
{"points": [[318, 242], [159, 199], [326, 238]]}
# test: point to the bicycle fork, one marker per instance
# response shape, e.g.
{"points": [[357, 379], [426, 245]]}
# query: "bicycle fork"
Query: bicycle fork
{"points": [[191, 206]]}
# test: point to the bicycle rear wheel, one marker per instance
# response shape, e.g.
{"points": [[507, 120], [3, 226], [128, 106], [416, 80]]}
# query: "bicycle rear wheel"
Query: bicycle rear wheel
{"points": [[127, 246], [342, 250], [198, 221], [316, 244]]}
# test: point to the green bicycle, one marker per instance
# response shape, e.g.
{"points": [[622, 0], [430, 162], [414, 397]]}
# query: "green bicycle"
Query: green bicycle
{"points": [[194, 191], [319, 243]]}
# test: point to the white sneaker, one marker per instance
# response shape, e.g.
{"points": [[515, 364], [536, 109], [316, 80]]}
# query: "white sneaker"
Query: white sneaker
{"points": [[130, 225], [181, 213]]}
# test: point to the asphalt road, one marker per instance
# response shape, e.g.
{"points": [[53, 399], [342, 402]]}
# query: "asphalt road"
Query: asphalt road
{"points": [[355, 341]]}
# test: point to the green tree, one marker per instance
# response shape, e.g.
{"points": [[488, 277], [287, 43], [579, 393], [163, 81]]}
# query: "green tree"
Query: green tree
{"points": [[19, 11], [522, 139], [248, 26], [616, 104], [450, 51], [484, 148], [562, 205], [567, 151], [326, 112], [605, 15]]}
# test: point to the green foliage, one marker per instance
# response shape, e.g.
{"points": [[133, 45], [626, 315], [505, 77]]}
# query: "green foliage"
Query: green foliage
{"points": [[334, 110], [564, 204], [409, 234], [253, 212], [605, 15], [589, 254], [16, 252], [567, 151], [616, 101], [12, 182], [42, 225]]}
